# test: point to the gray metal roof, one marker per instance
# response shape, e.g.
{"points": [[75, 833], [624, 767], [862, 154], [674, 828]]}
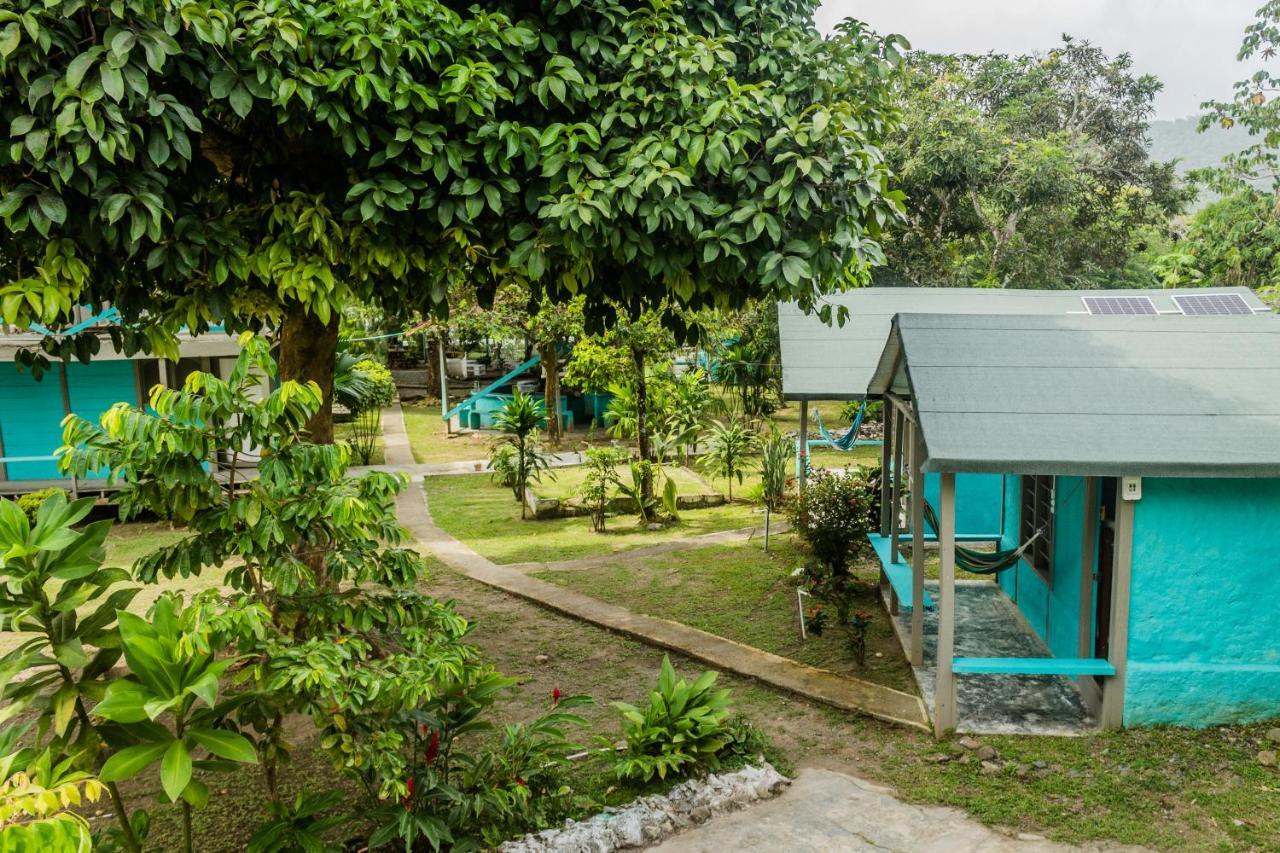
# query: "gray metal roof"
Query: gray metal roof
{"points": [[1107, 396], [821, 362]]}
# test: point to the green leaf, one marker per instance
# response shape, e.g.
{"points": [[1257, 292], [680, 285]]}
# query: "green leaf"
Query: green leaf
{"points": [[131, 761], [78, 68], [37, 143], [175, 770], [225, 744], [196, 794], [51, 204], [112, 82], [241, 100], [21, 125], [64, 707], [125, 702]]}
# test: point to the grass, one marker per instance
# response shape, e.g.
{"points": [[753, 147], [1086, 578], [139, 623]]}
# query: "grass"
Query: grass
{"points": [[740, 592], [484, 515], [431, 442], [568, 482]]}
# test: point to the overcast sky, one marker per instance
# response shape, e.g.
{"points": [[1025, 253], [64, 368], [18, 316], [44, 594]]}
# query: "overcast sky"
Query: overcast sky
{"points": [[1189, 44]]}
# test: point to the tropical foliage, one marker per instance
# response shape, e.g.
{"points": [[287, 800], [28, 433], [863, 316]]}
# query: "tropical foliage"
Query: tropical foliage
{"points": [[683, 728], [730, 447], [833, 514], [518, 457]]}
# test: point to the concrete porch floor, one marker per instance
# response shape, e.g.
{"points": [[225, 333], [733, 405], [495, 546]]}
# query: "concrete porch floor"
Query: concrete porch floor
{"points": [[988, 624]]}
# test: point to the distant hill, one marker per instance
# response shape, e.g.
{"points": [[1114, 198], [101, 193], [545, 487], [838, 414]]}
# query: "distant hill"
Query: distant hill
{"points": [[1177, 139]]}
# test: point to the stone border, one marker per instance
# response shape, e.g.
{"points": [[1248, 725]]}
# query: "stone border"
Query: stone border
{"points": [[649, 820]]}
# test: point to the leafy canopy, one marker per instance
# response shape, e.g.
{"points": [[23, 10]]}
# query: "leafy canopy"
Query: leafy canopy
{"points": [[212, 160]]}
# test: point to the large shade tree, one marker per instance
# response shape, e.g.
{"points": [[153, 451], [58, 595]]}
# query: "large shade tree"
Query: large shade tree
{"points": [[211, 161], [1026, 171]]}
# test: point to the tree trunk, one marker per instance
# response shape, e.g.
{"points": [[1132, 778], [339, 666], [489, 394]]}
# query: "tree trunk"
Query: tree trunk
{"points": [[642, 422], [551, 390], [307, 351], [433, 368]]}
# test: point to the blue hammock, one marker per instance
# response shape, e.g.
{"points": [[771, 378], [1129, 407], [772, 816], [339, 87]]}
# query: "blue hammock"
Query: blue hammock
{"points": [[846, 441]]}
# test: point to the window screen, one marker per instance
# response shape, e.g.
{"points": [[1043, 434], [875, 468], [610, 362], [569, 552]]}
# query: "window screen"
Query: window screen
{"points": [[1037, 513]]}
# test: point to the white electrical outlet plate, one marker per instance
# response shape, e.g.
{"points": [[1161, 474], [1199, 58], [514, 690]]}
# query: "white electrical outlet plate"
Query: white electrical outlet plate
{"points": [[1131, 488]]}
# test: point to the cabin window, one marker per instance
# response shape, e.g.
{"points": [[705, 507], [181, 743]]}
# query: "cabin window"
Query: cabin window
{"points": [[1037, 515]]}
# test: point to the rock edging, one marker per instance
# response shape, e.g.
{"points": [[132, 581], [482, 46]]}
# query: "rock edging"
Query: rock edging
{"points": [[649, 820]]}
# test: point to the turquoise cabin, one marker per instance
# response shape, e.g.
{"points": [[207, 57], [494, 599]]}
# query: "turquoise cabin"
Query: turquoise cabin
{"points": [[31, 411], [1126, 447]]}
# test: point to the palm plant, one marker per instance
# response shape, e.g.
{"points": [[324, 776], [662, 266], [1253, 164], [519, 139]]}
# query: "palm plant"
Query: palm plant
{"points": [[519, 420], [729, 448]]}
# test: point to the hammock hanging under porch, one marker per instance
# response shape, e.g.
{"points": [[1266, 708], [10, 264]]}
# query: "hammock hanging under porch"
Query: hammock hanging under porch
{"points": [[983, 562]]}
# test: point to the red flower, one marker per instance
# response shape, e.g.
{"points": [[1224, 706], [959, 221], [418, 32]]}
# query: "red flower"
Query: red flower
{"points": [[408, 784], [555, 696], [433, 748], [521, 782]]}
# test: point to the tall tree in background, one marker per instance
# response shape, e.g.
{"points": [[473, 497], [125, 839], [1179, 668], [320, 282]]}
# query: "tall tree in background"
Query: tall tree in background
{"points": [[216, 161], [1027, 171], [552, 326]]}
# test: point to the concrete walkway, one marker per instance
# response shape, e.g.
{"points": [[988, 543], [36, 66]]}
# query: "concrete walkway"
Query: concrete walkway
{"points": [[848, 694], [827, 811]]}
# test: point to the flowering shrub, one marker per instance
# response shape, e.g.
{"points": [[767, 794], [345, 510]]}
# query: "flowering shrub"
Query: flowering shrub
{"points": [[834, 513]]}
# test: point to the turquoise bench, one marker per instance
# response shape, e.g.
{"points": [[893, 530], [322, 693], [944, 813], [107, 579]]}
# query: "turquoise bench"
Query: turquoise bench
{"points": [[899, 573], [1032, 666]]}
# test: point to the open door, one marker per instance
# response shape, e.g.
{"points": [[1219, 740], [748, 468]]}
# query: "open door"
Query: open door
{"points": [[1106, 562]]}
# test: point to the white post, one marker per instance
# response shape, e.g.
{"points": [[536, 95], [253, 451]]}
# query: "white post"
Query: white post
{"points": [[944, 700], [444, 381], [1118, 643]]}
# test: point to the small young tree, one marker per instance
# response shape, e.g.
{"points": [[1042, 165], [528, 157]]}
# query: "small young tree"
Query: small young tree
{"points": [[729, 448], [601, 481], [374, 390], [519, 420]]}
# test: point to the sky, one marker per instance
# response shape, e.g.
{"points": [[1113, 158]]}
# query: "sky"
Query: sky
{"points": [[1189, 44]]}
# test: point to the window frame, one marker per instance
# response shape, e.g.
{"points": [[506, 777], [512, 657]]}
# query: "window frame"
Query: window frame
{"points": [[1037, 508]]}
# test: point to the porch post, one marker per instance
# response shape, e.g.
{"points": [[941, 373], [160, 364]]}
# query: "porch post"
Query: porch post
{"points": [[886, 443], [899, 421], [1118, 644], [802, 447], [917, 548], [944, 700]]}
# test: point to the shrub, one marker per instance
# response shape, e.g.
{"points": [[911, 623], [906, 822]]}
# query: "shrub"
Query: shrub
{"points": [[729, 448], [376, 389], [875, 411], [834, 513], [684, 728], [647, 504], [858, 626], [30, 502]]}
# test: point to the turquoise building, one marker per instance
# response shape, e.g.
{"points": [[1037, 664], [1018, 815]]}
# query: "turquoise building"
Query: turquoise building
{"points": [[1135, 441], [31, 411]]}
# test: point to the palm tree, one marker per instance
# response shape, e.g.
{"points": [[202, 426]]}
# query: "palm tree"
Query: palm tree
{"points": [[519, 421], [729, 447]]}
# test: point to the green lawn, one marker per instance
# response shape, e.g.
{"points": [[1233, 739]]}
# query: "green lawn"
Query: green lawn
{"points": [[484, 515], [568, 482], [740, 592], [431, 442]]}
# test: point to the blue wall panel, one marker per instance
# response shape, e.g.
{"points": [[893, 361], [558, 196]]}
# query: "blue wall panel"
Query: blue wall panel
{"points": [[978, 499], [30, 416], [99, 385], [1204, 628]]}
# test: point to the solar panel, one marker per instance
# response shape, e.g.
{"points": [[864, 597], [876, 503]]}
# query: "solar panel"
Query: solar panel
{"points": [[1204, 304], [1111, 306]]}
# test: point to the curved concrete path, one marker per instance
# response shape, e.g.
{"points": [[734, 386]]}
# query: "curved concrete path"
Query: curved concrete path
{"points": [[849, 694], [824, 810]]}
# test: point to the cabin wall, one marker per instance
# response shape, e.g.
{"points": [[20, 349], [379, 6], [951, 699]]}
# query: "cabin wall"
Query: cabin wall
{"points": [[978, 501], [1052, 609], [1204, 626], [31, 412]]}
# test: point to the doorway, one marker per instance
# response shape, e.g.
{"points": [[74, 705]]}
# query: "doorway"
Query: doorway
{"points": [[1109, 491]]}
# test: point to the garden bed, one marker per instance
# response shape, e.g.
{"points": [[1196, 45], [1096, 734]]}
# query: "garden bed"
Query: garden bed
{"points": [[743, 594], [559, 497], [471, 507]]}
